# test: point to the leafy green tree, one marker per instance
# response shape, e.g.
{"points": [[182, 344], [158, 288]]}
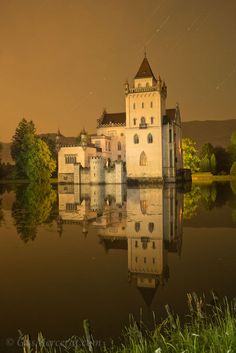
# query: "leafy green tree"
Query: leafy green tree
{"points": [[190, 157], [233, 169], [18, 147], [32, 155], [232, 147], [206, 150], [35, 204], [213, 163], [204, 164], [39, 164]]}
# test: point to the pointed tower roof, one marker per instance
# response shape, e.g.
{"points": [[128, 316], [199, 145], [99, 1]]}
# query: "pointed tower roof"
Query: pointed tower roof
{"points": [[145, 70]]}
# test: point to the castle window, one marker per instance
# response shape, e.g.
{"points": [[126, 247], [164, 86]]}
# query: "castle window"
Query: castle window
{"points": [[136, 243], [134, 106], [170, 136], [119, 157], [153, 245], [143, 120], [171, 161], [137, 227], [145, 260], [136, 139], [149, 138], [135, 121], [143, 206], [143, 159], [136, 259], [151, 104], [147, 84], [152, 120], [153, 260], [71, 207], [142, 105], [109, 146], [70, 158], [151, 227], [119, 146]]}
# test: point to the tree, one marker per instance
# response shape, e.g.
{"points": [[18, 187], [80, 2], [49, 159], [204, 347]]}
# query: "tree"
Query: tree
{"points": [[17, 148], [39, 164], [32, 155], [232, 147], [204, 164], [213, 163], [222, 160], [206, 150], [191, 159], [233, 169]]}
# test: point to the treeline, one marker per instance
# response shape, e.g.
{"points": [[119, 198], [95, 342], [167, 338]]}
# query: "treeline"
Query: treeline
{"points": [[214, 159], [34, 157]]}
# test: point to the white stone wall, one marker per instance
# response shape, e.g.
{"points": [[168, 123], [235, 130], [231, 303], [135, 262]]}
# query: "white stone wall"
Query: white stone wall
{"points": [[117, 134]]}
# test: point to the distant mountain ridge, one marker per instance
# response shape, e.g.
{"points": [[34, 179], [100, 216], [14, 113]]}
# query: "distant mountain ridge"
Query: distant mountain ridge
{"points": [[217, 132]]}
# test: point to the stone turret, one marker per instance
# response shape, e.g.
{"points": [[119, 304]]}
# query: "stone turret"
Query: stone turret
{"points": [[97, 170]]}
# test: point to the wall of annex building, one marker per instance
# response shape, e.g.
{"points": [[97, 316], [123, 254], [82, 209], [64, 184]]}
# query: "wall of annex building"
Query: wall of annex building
{"points": [[118, 140], [104, 143], [79, 155]]}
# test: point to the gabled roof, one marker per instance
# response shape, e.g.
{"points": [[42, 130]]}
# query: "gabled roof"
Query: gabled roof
{"points": [[145, 70], [113, 118]]}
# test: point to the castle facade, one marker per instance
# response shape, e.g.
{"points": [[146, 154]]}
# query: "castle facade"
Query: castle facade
{"points": [[146, 139]]}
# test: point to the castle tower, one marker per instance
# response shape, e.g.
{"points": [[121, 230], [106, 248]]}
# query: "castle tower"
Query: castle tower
{"points": [[97, 170], [145, 107]]}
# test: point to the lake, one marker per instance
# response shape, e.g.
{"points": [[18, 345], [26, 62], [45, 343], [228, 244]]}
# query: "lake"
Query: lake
{"points": [[70, 253]]}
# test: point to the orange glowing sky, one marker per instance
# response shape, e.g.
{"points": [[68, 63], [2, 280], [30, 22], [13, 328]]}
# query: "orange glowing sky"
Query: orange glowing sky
{"points": [[63, 61]]}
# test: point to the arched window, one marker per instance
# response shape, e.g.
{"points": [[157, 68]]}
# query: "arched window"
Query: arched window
{"points": [[133, 105], [143, 121], [149, 138], [152, 120], [137, 227], [143, 159], [135, 120], [151, 104], [142, 105], [136, 139], [143, 206], [119, 146], [151, 227]]}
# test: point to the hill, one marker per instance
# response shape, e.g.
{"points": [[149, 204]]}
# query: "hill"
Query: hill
{"points": [[217, 132]]}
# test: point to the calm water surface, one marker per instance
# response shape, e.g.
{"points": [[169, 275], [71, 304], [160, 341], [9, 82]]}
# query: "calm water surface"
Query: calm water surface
{"points": [[99, 253]]}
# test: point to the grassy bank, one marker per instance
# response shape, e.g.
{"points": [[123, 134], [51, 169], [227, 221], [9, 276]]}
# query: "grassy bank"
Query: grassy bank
{"points": [[208, 329], [22, 181], [208, 177]]}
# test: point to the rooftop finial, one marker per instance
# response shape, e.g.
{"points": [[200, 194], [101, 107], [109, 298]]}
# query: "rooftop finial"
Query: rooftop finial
{"points": [[145, 51]]}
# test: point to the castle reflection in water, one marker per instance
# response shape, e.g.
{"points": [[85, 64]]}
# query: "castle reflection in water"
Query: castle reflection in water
{"points": [[145, 222]]}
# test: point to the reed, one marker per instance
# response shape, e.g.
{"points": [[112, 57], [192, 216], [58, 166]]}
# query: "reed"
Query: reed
{"points": [[208, 328]]}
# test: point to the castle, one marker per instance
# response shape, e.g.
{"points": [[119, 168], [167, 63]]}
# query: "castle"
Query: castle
{"points": [[142, 144]]}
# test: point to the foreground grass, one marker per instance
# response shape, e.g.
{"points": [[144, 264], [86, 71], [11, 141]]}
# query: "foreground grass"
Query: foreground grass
{"points": [[208, 329]]}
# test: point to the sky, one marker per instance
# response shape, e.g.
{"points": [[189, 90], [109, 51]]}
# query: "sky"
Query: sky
{"points": [[63, 61]]}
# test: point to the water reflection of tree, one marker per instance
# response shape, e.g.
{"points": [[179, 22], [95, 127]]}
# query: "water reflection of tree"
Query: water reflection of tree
{"points": [[210, 196], [34, 205], [191, 201]]}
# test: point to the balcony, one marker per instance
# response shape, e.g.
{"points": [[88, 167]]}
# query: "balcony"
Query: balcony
{"points": [[143, 125]]}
